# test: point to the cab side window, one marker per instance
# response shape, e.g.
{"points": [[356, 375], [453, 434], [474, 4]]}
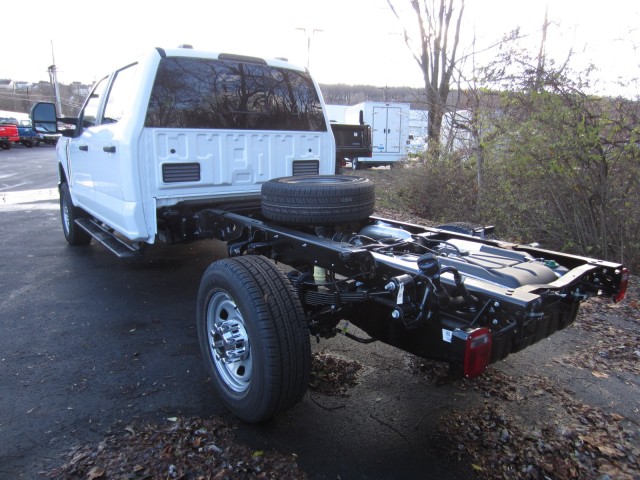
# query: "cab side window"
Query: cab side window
{"points": [[90, 111], [121, 94]]}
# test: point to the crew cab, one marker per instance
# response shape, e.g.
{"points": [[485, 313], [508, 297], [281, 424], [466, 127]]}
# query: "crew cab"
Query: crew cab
{"points": [[182, 145]]}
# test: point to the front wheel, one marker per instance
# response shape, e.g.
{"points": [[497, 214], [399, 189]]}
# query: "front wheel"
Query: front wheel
{"points": [[253, 337], [69, 213]]}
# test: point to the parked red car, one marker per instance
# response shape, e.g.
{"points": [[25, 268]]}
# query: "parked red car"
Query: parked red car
{"points": [[8, 133]]}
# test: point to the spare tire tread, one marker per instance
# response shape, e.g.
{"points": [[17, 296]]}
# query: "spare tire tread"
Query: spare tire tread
{"points": [[318, 200]]}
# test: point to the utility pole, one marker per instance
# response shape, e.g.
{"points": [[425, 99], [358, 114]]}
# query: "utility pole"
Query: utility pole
{"points": [[53, 78], [309, 33]]}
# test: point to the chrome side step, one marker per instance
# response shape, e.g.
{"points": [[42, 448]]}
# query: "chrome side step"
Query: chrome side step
{"points": [[108, 239]]}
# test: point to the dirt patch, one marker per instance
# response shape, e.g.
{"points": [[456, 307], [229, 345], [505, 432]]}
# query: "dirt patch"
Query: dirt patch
{"points": [[195, 448], [331, 375], [571, 440], [189, 449], [615, 328]]}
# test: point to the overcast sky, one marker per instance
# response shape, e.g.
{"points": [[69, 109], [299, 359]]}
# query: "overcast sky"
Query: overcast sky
{"points": [[357, 41]]}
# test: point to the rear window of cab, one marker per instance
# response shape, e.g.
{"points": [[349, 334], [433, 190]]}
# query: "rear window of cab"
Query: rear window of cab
{"points": [[228, 94]]}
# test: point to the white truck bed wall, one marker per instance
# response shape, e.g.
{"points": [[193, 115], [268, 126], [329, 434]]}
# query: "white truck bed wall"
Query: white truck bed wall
{"points": [[187, 164]]}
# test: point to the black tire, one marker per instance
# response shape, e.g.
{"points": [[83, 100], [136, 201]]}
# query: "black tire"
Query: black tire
{"points": [[253, 337], [68, 214], [355, 164], [318, 199]]}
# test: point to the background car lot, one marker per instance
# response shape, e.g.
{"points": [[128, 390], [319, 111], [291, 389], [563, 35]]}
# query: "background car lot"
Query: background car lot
{"points": [[92, 344]]}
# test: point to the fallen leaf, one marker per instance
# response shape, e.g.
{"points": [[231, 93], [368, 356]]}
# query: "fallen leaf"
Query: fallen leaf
{"points": [[610, 452], [95, 472], [599, 374]]}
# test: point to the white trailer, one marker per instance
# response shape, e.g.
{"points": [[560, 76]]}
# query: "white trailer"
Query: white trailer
{"points": [[389, 128]]}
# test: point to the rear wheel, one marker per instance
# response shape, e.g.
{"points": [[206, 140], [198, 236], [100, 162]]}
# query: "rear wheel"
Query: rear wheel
{"points": [[253, 337], [69, 213]]}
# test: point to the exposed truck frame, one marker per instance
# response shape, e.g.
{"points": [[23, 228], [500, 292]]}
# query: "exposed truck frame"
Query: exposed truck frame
{"points": [[389, 281]]}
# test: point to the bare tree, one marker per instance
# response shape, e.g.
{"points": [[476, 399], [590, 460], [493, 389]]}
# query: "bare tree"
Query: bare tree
{"points": [[435, 52]]}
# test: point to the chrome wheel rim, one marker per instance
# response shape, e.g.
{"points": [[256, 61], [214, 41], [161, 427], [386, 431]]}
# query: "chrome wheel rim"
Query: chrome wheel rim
{"points": [[65, 216], [228, 342]]}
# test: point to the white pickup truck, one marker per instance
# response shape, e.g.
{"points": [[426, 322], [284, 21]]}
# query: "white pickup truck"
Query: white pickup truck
{"points": [[181, 145]]}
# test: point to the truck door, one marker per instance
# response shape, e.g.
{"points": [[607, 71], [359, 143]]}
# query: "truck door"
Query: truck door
{"points": [[386, 128], [82, 154], [394, 127], [101, 167]]}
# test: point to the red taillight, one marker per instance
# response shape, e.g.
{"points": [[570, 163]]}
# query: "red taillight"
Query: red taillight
{"points": [[624, 283], [477, 352]]}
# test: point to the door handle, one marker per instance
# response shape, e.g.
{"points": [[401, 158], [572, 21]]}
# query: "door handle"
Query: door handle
{"points": [[109, 149], [83, 148]]}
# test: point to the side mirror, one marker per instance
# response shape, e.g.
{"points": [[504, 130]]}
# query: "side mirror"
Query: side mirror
{"points": [[44, 118]]}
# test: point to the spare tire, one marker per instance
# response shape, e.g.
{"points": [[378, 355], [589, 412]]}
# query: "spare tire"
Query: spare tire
{"points": [[318, 199]]}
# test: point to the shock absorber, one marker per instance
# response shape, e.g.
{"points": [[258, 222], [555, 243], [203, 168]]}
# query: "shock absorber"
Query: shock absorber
{"points": [[430, 268]]}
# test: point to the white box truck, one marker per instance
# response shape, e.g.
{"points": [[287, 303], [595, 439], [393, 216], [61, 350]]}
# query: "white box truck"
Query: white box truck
{"points": [[389, 128]]}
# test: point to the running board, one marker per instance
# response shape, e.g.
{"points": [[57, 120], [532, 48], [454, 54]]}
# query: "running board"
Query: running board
{"points": [[108, 239]]}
